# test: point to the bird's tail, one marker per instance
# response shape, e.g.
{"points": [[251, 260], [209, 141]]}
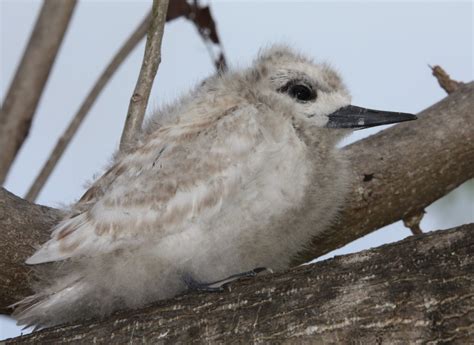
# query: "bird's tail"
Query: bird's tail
{"points": [[51, 306]]}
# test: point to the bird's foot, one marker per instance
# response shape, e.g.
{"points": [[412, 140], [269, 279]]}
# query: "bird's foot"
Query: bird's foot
{"points": [[218, 286]]}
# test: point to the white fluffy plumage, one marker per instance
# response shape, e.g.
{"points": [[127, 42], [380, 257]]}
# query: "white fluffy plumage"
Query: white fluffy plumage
{"points": [[238, 174]]}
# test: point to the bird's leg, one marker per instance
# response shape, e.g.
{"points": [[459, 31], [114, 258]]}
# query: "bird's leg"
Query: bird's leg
{"points": [[218, 286]]}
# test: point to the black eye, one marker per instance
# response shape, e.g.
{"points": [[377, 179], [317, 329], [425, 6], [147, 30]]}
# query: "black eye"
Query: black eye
{"points": [[299, 92]]}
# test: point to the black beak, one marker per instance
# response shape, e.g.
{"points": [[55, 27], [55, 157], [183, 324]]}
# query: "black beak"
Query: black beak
{"points": [[357, 117]]}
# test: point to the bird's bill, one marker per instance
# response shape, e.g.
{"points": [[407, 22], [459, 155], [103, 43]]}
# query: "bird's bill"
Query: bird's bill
{"points": [[357, 117]]}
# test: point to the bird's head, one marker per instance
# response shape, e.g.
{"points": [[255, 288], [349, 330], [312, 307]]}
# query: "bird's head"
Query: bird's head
{"points": [[313, 92]]}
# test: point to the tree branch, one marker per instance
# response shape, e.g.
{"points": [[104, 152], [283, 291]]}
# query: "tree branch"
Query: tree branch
{"points": [[377, 296], [23, 226], [394, 172], [31, 75], [151, 61]]}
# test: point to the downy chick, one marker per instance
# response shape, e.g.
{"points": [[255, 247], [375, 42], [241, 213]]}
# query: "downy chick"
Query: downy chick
{"points": [[240, 173]]}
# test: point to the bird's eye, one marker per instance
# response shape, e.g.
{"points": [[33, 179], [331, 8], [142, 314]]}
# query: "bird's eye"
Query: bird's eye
{"points": [[301, 93]]}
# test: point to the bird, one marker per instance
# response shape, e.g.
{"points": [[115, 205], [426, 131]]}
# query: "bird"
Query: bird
{"points": [[239, 174]]}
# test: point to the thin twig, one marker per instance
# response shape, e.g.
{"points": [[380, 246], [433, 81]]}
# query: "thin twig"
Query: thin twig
{"points": [[86, 105], [151, 61], [449, 85], [30, 78]]}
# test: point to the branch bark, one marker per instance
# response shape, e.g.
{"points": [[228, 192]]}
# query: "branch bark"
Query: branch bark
{"points": [[381, 296], [23, 227], [31, 75], [394, 172], [151, 61]]}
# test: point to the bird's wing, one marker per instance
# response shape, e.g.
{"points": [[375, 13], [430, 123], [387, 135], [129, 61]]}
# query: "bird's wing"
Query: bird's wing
{"points": [[181, 173]]}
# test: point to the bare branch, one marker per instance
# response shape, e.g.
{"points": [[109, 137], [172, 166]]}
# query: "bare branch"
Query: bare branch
{"points": [[151, 61], [409, 166], [86, 105], [395, 172], [31, 75], [419, 290], [444, 80]]}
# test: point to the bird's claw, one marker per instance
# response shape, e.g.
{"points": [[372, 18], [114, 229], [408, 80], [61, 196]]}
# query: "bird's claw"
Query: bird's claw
{"points": [[219, 285]]}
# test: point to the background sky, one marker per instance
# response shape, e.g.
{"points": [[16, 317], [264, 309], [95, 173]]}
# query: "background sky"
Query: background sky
{"points": [[382, 49]]}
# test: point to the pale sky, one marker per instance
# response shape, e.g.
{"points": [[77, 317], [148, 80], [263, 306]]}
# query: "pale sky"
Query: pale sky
{"points": [[382, 49]]}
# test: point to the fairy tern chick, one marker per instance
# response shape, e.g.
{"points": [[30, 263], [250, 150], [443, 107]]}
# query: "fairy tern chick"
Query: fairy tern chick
{"points": [[240, 173]]}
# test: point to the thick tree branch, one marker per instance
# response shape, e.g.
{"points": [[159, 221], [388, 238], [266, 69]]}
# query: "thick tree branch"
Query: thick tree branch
{"points": [[400, 169], [23, 226], [27, 86], [404, 169], [151, 61], [381, 296]]}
